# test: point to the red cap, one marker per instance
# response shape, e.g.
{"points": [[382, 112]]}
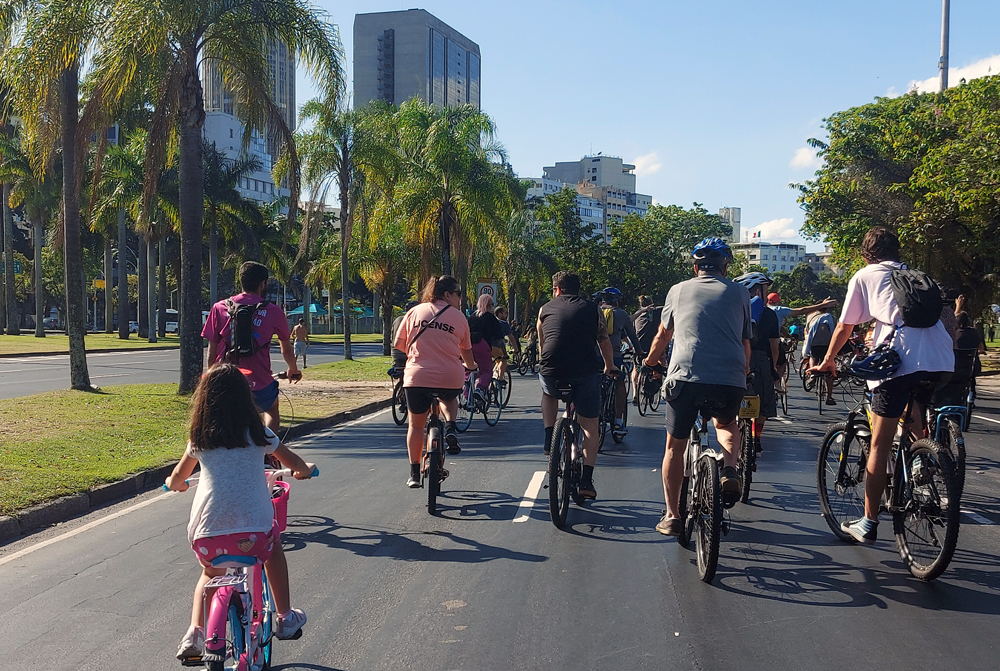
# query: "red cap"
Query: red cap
{"points": [[773, 298]]}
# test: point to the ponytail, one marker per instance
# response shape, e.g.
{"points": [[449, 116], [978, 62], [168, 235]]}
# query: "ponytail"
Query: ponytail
{"points": [[436, 287]]}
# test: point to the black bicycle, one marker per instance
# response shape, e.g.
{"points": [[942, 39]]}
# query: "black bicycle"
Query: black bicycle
{"points": [[398, 396], [432, 470], [747, 464], [527, 360], [922, 492], [648, 390], [607, 419], [565, 468]]}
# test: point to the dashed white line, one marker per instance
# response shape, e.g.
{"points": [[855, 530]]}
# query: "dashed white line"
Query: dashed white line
{"points": [[976, 517], [95, 377], [782, 420], [987, 419], [530, 494]]}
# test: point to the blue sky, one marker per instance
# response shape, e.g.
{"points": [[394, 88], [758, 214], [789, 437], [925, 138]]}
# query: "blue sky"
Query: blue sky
{"points": [[712, 100]]}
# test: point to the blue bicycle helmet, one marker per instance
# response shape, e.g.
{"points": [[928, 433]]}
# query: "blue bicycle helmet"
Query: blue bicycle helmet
{"points": [[712, 249], [611, 291]]}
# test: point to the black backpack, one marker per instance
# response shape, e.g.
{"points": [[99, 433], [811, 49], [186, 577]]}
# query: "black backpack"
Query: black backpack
{"points": [[242, 344], [918, 297]]}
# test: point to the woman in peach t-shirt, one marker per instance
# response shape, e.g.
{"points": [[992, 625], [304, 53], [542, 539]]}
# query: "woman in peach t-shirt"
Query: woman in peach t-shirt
{"points": [[435, 337]]}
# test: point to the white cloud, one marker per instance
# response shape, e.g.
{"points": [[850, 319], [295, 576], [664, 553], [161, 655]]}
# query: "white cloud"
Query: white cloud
{"points": [[647, 164], [776, 230], [805, 157], [987, 66]]}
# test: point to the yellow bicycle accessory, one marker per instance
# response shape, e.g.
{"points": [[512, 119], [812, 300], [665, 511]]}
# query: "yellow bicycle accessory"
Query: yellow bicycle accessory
{"points": [[750, 407]]}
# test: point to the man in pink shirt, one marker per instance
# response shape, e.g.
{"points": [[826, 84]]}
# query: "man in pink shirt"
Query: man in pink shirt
{"points": [[269, 320]]}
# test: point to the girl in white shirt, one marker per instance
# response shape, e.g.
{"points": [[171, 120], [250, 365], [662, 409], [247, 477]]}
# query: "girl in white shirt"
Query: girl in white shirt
{"points": [[232, 512]]}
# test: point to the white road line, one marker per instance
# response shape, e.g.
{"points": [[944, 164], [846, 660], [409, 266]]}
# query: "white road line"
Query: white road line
{"points": [[361, 419], [530, 494], [95, 377], [976, 517], [80, 530], [987, 419], [782, 420]]}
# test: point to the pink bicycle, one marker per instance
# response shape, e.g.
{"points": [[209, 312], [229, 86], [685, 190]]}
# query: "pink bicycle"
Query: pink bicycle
{"points": [[239, 620]]}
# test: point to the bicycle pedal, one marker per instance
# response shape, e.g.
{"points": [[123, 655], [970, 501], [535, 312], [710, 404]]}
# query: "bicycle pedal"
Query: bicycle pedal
{"points": [[193, 661], [726, 525], [294, 637]]}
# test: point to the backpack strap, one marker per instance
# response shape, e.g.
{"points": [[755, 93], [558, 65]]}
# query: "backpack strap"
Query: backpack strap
{"points": [[425, 326]]}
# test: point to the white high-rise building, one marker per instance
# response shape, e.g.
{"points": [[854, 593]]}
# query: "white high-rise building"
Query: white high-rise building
{"points": [[732, 217], [775, 256]]}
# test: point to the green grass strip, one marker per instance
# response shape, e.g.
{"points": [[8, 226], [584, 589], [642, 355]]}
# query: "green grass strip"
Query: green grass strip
{"points": [[52, 343]]}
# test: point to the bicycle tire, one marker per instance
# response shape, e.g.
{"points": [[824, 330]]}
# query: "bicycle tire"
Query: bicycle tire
{"points": [[522, 364], [802, 368], [708, 520], [267, 621], [746, 459], [507, 388], [923, 509], [640, 394], [841, 497], [618, 436], [235, 644], [534, 365], [954, 442], [433, 474], [494, 404], [560, 472], [687, 522], [465, 407], [399, 412], [654, 402], [784, 400]]}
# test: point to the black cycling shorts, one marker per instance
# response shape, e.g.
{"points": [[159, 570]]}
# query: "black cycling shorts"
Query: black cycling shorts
{"points": [[715, 400], [419, 399], [889, 399], [586, 390]]}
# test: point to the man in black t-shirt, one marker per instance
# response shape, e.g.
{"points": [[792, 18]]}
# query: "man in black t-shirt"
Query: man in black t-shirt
{"points": [[575, 348]]}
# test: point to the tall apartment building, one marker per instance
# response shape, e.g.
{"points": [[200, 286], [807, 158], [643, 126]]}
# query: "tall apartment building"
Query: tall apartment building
{"points": [[731, 215], [776, 257], [224, 129], [606, 179], [591, 210], [399, 55]]}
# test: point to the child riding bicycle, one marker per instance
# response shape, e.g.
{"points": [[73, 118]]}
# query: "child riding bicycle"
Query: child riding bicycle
{"points": [[232, 512]]}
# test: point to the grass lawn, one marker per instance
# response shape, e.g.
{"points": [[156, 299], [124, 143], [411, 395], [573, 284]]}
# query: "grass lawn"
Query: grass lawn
{"points": [[59, 344], [338, 338], [65, 442]]}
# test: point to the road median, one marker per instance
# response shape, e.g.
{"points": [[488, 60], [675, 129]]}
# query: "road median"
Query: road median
{"points": [[65, 453]]}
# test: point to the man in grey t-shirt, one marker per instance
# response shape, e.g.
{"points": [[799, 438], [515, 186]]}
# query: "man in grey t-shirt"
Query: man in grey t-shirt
{"points": [[708, 319]]}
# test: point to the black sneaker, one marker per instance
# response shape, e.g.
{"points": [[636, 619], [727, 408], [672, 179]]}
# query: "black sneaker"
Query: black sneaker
{"points": [[452, 441], [830, 401], [413, 482], [857, 531], [547, 449], [732, 486], [587, 489], [669, 526]]}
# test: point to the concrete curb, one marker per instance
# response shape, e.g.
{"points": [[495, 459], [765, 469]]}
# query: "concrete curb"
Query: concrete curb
{"points": [[63, 509], [104, 350]]}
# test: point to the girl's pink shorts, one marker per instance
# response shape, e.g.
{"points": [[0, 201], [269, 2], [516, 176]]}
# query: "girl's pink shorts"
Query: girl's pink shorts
{"points": [[258, 544]]}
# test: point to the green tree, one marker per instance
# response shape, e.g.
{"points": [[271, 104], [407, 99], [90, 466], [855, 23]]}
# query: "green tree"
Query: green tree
{"points": [[231, 36]]}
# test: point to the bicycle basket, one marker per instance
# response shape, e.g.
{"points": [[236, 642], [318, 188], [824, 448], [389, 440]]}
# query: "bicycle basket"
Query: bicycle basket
{"points": [[279, 499]]}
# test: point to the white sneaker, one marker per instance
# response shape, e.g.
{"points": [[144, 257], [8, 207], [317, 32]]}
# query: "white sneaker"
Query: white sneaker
{"points": [[193, 643], [287, 627]]}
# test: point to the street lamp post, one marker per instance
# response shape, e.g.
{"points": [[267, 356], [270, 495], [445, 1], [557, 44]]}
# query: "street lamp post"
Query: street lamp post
{"points": [[943, 63]]}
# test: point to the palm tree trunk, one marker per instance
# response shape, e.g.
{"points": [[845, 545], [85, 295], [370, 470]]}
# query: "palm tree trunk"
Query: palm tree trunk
{"points": [[384, 297], [150, 287], [39, 240], [13, 313], [345, 216], [161, 321], [141, 295], [444, 223], [3, 287], [192, 201], [122, 277], [213, 265], [109, 272], [307, 306], [69, 98]]}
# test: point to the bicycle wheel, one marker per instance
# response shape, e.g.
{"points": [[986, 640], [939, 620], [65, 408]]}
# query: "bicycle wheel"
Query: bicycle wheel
{"points": [[640, 394], [926, 520], [654, 401], [784, 398], [619, 436], [534, 364], [954, 442], [399, 404], [802, 368], [432, 476], [236, 644], [746, 460], [820, 384], [840, 475], [466, 407], [687, 522], [708, 516], [560, 472], [494, 404], [267, 621], [505, 390]]}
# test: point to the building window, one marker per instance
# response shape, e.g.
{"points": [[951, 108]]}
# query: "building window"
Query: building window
{"points": [[230, 133]]}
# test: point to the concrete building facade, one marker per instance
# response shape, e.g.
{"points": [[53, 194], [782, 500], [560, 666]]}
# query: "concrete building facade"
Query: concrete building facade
{"points": [[590, 209], [226, 132], [607, 180], [399, 55], [731, 215], [776, 257]]}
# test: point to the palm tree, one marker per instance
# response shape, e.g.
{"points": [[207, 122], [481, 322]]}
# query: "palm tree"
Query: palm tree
{"points": [[39, 195], [46, 41], [232, 36], [384, 258], [455, 177]]}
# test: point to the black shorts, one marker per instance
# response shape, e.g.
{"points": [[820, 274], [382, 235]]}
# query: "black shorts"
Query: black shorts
{"points": [[889, 399], [715, 400], [418, 399], [586, 391], [818, 352], [782, 355]]}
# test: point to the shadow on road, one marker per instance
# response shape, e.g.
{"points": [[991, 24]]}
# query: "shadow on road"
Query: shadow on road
{"points": [[301, 666]]}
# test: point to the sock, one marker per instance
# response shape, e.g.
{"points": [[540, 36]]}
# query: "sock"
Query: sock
{"points": [[415, 470], [548, 435], [450, 428], [285, 615], [588, 472]]}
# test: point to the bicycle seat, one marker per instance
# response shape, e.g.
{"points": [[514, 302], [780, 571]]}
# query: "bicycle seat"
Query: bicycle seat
{"points": [[565, 391], [234, 561]]}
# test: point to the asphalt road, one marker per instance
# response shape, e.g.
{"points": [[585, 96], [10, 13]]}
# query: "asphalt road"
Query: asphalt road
{"points": [[23, 376], [386, 586]]}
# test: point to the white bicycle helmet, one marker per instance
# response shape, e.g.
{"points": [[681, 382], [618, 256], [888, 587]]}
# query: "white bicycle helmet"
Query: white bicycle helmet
{"points": [[750, 280]]}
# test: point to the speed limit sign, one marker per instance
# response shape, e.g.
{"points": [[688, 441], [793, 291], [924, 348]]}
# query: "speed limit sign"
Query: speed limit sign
{"points": [[487, 287]]}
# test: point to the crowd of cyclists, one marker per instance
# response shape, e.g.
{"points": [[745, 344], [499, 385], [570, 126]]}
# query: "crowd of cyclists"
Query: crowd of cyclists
{"points": [[712, 343]]}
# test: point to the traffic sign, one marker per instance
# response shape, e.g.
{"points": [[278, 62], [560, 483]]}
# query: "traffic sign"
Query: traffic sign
{"points": [[99, 284], [17, 267], [487, 287]]}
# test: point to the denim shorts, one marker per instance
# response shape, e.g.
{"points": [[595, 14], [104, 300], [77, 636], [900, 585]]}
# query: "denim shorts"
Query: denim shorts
{"points": [[265, 398]]}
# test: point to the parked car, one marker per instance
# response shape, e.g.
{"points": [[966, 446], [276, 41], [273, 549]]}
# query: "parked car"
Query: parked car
{"points": [[171, 321], [133, 327], [50, 323]]}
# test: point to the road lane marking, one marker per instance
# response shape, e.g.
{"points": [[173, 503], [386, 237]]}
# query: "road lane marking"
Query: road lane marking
{"points": [[95, 377], [530, 494], [782, 420], [79, 530], [987, 419], [976, 517]]}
